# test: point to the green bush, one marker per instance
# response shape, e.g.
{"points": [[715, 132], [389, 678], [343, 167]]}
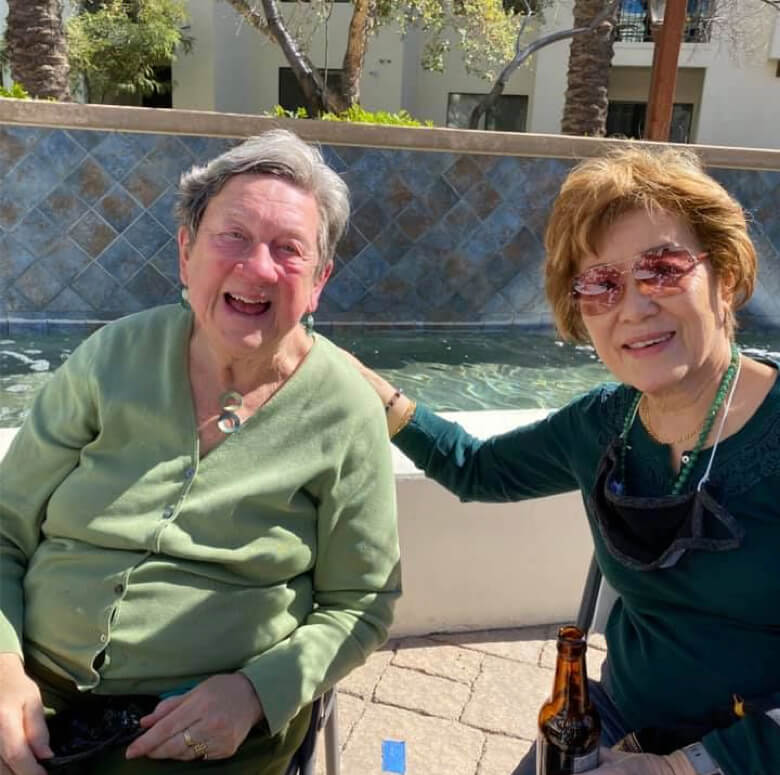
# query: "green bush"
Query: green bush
{"points": [[16, 92], [357, 115]]}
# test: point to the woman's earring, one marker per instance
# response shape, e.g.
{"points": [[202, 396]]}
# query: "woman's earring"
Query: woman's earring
{"points": [[185, 297], [308, 323]]}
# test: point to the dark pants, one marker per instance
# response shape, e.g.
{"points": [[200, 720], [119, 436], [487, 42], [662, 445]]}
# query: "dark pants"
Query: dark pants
{"points": [[613, 728], [259, 754]]}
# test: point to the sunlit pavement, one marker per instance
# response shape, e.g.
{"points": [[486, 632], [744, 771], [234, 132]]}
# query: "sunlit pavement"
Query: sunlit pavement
{"points": [[462, 704]]}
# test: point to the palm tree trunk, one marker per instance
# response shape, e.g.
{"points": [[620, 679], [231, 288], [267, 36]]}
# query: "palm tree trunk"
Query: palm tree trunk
{"points": [[36, 49], [585, 109]]}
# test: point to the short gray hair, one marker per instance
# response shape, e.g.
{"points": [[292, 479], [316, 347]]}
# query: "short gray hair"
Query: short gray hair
{"points": [[276, 152]]}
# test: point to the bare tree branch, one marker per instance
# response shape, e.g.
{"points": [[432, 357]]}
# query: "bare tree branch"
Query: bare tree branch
{"points": [[255, 18], [270, 22], [490, 98]]}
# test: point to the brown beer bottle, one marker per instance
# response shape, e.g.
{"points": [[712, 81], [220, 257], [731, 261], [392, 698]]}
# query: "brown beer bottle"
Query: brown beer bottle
{"points": [[569, 726]]}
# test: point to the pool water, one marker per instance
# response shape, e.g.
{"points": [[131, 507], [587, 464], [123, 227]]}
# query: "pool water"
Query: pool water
{"points": [[449, 370]]}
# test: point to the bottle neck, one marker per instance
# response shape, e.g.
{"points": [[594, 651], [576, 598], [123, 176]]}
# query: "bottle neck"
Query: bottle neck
{"points": [[571, 682]]}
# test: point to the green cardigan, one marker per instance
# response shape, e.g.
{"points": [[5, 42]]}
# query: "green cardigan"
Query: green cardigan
{"points": [[275, 554], [680, 640]]}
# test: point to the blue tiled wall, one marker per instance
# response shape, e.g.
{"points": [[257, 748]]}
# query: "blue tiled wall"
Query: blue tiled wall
{"points": [[87, 231]]}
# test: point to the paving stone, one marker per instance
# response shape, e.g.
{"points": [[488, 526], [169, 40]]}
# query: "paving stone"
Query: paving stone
{"points": [[433, 746], [434, 658], [507, 696], [502, 755], [596, 640], [364, 679], [521, 645], [422, 693]]}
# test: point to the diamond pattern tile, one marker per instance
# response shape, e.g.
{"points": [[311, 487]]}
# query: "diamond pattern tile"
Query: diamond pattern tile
{"points": [[62, 208], [87, 227], [88, 181], [117, 154], [92, 234], [118, 208], [58, 152], [146, 235], [121, 260], [38, 285], [38, 232]]}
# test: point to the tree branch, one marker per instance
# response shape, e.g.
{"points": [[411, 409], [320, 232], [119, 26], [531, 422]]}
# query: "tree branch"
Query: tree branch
{"points": [[270, 22], [255, 18], [522, 54]]}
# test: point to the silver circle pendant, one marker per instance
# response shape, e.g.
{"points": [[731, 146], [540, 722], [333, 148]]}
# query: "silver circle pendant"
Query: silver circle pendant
{"points": [[228, 422], [231, 401]]}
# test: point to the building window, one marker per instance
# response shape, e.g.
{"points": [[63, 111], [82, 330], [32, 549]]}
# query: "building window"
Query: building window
{"points": [[515, 6], [508, 113], [523, 7], [634, 21], [291, 95], [161, 99], [627, 119]]}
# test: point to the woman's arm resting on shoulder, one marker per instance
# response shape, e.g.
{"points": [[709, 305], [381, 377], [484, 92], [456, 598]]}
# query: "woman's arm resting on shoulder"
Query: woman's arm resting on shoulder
{"points": [[528, 462]]}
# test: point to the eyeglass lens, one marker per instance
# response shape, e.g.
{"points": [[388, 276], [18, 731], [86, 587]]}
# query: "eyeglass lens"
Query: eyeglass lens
{"points": [[657, 272]]}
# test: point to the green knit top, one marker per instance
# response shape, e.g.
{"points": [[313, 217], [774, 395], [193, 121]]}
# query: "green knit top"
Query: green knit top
{"points": [[132, 564], [680, 640]]}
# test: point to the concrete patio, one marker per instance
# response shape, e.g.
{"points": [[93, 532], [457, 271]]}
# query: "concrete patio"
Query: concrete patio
{"points": [[463, 703]]}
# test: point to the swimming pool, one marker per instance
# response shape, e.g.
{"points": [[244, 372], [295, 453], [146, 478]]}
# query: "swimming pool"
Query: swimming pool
{"points": [[448, 369]]}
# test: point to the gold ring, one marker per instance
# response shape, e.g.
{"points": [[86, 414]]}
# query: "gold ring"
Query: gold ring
{"points": [[188, 738], [200, 749]]}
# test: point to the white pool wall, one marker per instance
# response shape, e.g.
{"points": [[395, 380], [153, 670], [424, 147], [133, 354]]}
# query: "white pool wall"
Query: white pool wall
{"points": [[474, 566]]}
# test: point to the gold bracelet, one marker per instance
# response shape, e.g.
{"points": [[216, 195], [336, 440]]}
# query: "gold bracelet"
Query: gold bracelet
{"points": [[405, 419]]}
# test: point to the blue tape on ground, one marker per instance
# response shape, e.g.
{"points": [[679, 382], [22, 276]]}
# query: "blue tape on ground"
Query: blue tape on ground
{"points": [[393, 756]]}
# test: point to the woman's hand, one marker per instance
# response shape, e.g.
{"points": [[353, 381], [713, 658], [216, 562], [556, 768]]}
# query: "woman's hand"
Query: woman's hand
{"points": [[383, 388], [24, 737], [211, 721], [385, 391], [619, 763]]}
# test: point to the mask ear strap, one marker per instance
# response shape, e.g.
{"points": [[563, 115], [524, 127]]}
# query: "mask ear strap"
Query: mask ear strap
{"points": [[733, 390]]}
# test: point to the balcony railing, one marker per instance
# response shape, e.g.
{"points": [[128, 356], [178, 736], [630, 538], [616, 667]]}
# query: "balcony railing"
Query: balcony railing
{"points": [[634, 22]]}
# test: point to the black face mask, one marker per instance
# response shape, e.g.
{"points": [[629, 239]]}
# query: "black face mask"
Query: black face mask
{"points": [[650, 533]]}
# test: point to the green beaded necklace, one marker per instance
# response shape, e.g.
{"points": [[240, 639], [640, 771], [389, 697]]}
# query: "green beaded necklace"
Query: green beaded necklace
{"points": [[688, 461]]}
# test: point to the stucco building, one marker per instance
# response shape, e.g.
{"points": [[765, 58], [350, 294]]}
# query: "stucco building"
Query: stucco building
{"points": [[728, 90]]}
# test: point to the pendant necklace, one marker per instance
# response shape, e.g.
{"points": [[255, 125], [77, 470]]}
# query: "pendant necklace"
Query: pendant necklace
{"points": [[689, 459], [230, 402]]}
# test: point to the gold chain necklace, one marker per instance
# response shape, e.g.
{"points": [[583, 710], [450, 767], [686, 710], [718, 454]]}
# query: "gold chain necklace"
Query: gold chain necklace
{"points": [[644, 415]]}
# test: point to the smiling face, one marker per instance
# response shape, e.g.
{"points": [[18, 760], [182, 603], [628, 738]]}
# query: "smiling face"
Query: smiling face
{"points": [[251, 268], [659, 343]]}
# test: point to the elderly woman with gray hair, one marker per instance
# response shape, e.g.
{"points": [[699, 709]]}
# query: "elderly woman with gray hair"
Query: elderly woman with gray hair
{"points": [[197, 519]]}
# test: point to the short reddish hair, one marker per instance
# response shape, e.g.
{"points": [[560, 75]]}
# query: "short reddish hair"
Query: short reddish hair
{"points": [[599, 190]]}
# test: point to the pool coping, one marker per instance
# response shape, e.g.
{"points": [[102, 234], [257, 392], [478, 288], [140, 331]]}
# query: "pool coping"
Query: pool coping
{"points": [[10, 326], [57, 115]]}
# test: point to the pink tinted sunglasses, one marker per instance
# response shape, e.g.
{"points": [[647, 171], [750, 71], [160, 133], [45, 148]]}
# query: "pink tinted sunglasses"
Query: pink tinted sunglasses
{"points": [[657, 271]]}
